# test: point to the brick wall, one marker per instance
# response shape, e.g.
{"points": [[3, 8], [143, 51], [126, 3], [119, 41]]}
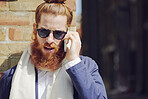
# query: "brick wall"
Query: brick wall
{"points": [[16, 20]]}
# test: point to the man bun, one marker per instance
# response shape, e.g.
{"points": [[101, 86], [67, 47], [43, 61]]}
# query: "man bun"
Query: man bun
{"points": [[54, 1]]}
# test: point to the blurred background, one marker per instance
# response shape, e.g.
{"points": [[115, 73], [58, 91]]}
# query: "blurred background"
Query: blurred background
{"points": [[115, 35]]}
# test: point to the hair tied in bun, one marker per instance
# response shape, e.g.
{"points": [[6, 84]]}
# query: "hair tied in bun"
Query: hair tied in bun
{"points": [[55, 1]]}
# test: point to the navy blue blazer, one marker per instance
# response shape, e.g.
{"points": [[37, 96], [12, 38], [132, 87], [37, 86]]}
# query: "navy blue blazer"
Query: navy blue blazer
{"points": [[85, 77]]}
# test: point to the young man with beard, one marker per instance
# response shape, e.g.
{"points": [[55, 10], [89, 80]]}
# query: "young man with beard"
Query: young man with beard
{"points": [[45, 71]]}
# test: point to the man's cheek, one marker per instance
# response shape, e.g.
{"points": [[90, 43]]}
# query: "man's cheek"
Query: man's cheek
{"points": [[40, 40], [56, 47]]}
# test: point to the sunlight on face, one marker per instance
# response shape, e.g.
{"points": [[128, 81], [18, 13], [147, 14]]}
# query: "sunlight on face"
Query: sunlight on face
{"points": [[51, 22]]}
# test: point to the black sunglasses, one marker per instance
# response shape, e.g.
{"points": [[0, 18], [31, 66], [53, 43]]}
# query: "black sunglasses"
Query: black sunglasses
{"points": [[43, 33]]}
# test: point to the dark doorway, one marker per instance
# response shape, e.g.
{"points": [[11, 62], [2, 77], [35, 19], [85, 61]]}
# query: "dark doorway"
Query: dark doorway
{"points": [[115, 35]]}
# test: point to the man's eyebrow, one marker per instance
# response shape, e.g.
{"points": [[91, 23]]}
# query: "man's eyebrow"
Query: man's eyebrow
{"points": [[43, 27]]}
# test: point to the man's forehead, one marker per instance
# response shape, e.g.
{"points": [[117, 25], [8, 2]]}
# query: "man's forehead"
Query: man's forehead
{"points": [[50, 18], [53, 21]]}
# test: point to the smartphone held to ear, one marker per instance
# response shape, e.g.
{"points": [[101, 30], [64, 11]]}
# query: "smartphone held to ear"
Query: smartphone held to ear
{"points": [[66, 45], [69, 41]]}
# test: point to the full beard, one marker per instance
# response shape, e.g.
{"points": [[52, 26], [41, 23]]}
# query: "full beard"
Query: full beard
{"points": [[48, 62]]}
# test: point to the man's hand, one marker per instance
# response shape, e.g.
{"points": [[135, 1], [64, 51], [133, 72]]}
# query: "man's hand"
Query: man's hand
{"points": [[74, 50]]}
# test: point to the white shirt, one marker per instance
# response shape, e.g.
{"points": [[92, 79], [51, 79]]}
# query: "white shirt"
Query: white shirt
{"points": [[46, 77]]}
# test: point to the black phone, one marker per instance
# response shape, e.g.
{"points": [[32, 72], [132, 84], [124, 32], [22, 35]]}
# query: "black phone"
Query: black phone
{"points": [[64, 45]]}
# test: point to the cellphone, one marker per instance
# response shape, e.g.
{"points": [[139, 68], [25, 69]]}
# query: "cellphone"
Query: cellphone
{"points": [[66, 45]]}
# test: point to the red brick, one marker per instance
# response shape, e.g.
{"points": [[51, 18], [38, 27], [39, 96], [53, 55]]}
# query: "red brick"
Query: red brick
{"points": [[3, 5], [15, 34], [24, 5], [20, 33], [14, 19], [32, 4]]}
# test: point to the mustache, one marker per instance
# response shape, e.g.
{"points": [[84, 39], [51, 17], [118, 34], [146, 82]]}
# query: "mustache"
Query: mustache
{"points": [[53, 45]]}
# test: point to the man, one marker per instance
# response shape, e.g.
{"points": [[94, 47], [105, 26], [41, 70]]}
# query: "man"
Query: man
{"points": [[45, 71]]}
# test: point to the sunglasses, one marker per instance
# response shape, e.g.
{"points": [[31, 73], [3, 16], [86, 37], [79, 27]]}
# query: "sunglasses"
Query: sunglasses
{"points": [[43, 33]]}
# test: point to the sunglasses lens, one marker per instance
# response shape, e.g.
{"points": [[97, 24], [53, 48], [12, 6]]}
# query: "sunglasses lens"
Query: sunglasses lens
{"points": [[59, 34], [43, 33]]}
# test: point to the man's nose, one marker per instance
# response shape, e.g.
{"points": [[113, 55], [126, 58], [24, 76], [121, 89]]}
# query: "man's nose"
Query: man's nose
{"points": [[50, 38]]}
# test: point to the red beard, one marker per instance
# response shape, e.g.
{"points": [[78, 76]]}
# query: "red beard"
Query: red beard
{"points": [[49, 62]]}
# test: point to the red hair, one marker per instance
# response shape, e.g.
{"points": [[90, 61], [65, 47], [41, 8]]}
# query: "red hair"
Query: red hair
{"points": [[55, 7]]}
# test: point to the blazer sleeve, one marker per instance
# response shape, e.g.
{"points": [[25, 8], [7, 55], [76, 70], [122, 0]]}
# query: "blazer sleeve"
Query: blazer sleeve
{"points": [[87, 80], [5, 83]]}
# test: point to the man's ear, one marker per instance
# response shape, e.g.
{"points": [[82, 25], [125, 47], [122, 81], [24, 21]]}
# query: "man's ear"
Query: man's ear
{"points": [[34, 25], [34, 31]]}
